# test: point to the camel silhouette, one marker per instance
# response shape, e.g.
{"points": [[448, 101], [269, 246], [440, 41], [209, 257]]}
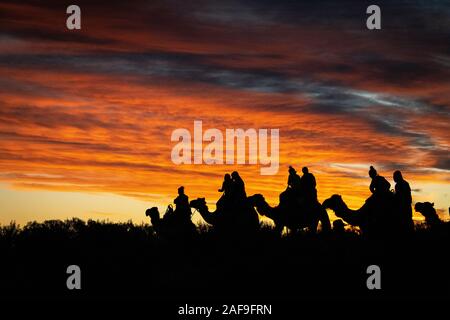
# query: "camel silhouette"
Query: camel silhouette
{"points": [[236, 217], [170, 227], [376, 218], [384, 213], [293, 212], [427, 210]]}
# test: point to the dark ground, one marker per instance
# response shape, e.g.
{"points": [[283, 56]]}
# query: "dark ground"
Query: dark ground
{"points": [[124, 261]]}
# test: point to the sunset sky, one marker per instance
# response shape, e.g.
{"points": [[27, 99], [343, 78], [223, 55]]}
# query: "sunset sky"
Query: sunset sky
{"points": [[86, 116]]}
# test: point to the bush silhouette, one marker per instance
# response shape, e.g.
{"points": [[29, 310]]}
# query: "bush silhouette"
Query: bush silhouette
{"points": [[124, 259]]}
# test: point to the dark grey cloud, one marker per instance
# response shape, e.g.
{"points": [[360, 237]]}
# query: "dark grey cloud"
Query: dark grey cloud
{"points": [[385, 113], [442, 158], [411, 50]]}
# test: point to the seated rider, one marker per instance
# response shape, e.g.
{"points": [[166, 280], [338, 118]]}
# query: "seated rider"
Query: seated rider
{"points": [[182, 209], [404, 200], [227, 189], [379, 184], [226, 184], [308, 184], [238, 186], [294, 181]]}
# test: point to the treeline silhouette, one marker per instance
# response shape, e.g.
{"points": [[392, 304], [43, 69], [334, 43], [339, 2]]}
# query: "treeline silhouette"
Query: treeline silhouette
{"points": [[235, 255], [126, 260]]}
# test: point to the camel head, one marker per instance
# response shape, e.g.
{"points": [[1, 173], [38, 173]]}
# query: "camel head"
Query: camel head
{"points": [[334, 203], [424, 207], [198, 204], [153, 213], [427, 210]]}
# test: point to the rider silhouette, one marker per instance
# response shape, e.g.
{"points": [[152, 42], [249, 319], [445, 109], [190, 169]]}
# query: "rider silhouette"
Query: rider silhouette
{"points": [[182, 209], [238, 186], [379, 184], [404, 200], [294, 180], [308, 184], [227, 189], [175, 224], [227, 184]]}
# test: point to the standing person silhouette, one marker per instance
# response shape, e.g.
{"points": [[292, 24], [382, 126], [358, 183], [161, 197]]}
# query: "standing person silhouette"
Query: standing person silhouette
{"points": [[404, 200]]}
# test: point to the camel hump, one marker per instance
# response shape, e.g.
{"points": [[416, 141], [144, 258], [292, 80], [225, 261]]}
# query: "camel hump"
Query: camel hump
{"points": [[256, 196], [197, 202]]}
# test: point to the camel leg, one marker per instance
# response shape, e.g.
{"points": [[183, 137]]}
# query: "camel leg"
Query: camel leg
{"points": [[313, 225], [278, 228], [324, 219]]}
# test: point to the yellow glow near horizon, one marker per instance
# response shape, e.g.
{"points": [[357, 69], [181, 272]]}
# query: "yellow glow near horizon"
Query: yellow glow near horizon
{"points": [[23, 206], [86, 121]]}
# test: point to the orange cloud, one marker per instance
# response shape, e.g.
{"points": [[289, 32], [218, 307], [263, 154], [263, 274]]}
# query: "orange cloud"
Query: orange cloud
{"points": [[93, 111]]}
